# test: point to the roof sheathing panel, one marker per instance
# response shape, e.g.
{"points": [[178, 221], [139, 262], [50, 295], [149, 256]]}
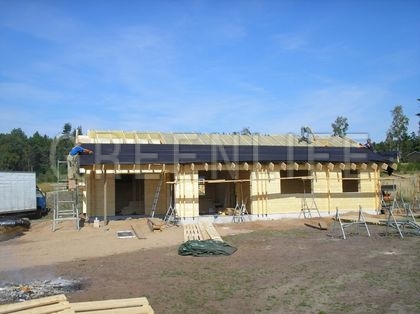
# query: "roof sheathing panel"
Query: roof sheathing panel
{"points": [[213, 139]]}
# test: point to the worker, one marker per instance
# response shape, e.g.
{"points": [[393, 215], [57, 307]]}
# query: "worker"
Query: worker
{"points": [[73, 160]]}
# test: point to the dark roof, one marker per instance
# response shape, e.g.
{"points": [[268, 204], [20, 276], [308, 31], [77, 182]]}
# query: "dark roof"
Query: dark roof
{"points": [[413, 156], [187, 153]]}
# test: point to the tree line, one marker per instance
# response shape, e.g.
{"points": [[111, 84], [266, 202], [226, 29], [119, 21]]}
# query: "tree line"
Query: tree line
{"points": [[39, 153], [397, 138]]}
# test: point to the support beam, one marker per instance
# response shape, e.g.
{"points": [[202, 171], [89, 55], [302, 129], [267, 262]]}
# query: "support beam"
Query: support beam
{"points": [[105, 199]]}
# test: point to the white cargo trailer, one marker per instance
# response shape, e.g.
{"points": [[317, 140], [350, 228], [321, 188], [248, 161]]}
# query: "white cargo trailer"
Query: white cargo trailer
{"points": [[17, 192]]}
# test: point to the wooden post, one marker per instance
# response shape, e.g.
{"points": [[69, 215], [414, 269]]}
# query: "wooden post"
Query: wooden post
{"points": [[328, 189], [105, 199]]}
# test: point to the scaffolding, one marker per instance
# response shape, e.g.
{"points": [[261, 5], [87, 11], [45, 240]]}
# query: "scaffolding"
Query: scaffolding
{"points": [[66, 206], [66, 198]]}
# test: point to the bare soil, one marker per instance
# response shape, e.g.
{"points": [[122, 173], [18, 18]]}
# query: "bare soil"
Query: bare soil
{"points": [[281, 266]]}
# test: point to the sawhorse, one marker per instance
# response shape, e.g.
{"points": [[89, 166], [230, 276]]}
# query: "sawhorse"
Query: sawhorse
{"points": [[343, 225]]}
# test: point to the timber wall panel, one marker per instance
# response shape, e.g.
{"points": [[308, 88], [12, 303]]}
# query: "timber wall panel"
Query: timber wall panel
{"points": [[273, 191], [98, 209], [150, 187], [186, 191]]}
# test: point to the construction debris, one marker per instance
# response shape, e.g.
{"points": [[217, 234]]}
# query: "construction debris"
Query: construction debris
{"points": [[17, 292]]}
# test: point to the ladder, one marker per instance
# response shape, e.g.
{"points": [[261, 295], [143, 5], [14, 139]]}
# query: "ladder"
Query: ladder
{"points": [[171, 215], [157, 193], [65, 207], [239, 212], [307, 208]]}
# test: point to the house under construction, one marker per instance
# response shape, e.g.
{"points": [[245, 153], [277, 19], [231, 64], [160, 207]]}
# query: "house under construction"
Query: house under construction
{"points": [[209, 175]]}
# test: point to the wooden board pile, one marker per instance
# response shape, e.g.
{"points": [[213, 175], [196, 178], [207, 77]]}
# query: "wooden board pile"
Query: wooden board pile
{"points": [[201, 231], [59, 304], [156, 224]]}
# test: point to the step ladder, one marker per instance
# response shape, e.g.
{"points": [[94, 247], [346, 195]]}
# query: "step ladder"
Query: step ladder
{"points": [[239, 212], [157, 193], [309, 207], [171, 215], [65, 207]]}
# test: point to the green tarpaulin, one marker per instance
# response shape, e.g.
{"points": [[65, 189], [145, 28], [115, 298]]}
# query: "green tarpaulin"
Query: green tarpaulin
{"points": [[205, 248]]}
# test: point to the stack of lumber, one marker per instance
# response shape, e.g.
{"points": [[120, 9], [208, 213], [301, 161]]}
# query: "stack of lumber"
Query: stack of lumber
{"points": [[52, 304], [59, 304], [156, 224], [201, 231]]}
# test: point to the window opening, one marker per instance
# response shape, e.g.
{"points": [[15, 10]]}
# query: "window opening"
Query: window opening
{"points": [[295, 182]]}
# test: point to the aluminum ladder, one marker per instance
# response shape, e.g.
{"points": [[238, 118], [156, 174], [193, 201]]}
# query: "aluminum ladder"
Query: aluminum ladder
{"points": [[307, 209], [157, 193]]}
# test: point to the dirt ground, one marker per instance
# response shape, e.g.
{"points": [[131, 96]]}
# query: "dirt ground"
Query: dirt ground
{"points": [[281, 266]]}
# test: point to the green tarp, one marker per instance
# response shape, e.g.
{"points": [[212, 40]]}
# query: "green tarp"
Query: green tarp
{"points": [[205, 248]]}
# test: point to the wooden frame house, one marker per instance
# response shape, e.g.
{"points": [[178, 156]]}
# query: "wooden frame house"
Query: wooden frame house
{"points": [[209, 175]]}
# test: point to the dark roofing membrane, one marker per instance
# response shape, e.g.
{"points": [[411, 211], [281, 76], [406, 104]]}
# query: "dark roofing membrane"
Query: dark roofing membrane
{"points": [[188, 153]]}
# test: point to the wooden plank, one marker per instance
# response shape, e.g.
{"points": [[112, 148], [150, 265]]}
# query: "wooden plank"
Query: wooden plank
{"points": [[110, 304], [192, 232], [211, 231], [369, 220], [317, 224], [138, 234], [47, 309], [11, 308], [147, 309]]}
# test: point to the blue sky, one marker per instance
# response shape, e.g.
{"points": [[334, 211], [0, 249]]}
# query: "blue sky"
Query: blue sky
{"points": [[208, 66]]}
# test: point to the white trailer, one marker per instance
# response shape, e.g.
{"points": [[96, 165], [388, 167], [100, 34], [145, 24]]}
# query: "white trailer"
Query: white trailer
{"points": [[17, 192]]}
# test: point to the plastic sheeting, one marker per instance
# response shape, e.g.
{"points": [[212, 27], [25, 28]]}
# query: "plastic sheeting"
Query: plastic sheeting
{"points": [[205, 248]]}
